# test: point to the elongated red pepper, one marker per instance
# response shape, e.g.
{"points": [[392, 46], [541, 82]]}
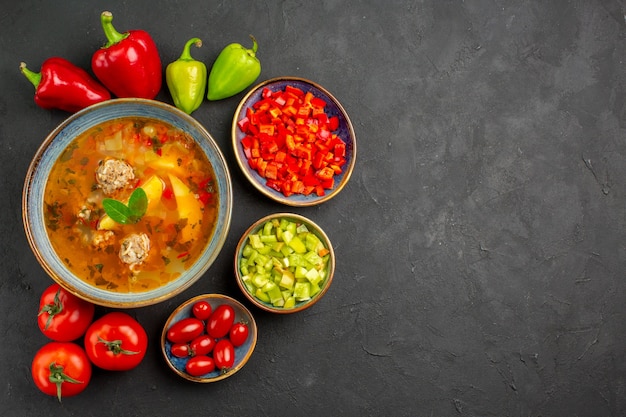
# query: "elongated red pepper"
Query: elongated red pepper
{"points": [[129, 64], [62, 85]]}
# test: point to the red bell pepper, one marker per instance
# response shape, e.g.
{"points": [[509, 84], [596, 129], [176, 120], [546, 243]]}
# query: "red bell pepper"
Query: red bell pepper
{"points": [[64, 86], [129, 64]]}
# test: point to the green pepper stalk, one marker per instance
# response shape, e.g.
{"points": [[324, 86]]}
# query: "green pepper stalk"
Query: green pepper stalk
{"points": [[186, 79], [234, 69]]}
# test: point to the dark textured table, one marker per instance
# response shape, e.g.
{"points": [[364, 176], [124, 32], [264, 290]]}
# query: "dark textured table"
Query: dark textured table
{"points": [[480, 242]]}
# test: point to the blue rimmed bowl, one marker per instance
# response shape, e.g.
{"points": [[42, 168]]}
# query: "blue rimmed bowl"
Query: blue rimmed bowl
{"points": [[54, 146], [244, 280], [333, 107], [242, 353]]}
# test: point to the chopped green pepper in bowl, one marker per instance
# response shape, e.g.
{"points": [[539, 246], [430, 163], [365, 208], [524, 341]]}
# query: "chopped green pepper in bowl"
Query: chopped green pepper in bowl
{"points": [[284, 263]]}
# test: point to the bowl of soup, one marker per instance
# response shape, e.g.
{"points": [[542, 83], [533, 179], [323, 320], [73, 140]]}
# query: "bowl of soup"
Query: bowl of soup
{"points": [[127, 203]]}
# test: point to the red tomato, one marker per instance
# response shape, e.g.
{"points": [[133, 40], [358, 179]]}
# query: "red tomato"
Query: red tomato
{"points": [[238, 334], [63, 317], [61, 369], [202, 345], [224, 355], [200, 365], [221, 321], [180, 350], [116, 342], [201, 310], [185, 330]]}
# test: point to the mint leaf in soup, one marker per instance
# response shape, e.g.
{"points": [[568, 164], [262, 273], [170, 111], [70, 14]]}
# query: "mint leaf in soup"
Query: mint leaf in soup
{"points": [[138, 202], [117, 211], [127, 214]]}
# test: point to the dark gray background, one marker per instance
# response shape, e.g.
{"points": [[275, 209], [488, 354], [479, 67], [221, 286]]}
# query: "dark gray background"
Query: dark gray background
{"points": [[480, 242]]}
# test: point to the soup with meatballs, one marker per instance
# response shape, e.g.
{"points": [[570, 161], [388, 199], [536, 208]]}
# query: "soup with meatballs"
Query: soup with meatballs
{"points": [[113, 235]]}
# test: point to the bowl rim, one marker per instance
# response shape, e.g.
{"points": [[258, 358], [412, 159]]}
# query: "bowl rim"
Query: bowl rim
{"points": [[251, 325], [298, 307], [118, 299], [261, 187]]}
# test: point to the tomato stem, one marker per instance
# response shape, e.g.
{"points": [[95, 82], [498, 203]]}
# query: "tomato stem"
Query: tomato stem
{"points": [[115, 346], [58, 377], [52, 309]]}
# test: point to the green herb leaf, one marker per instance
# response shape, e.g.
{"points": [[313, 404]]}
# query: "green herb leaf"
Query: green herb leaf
{"points": [[117, 211], [127, 214], [138, 202]]}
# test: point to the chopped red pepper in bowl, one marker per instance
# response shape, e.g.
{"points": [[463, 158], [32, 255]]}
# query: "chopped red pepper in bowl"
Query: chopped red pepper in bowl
{"points": [[294, 141]]}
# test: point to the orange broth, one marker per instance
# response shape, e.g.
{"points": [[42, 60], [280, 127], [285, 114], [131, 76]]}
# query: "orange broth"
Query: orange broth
{"points": [[179, 228]]}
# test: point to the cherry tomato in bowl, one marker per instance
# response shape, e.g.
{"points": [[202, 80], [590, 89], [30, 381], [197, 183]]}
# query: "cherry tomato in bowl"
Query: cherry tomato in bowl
{"points": [[185, 330], [202, 345], [231, 359], [202, 309], [200, 365], [238, 333], [180, 350], [224, 355], [221, 321]]}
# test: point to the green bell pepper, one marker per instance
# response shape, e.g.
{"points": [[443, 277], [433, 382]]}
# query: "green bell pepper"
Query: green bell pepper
{"points": [[234, 69], [186, 79]]}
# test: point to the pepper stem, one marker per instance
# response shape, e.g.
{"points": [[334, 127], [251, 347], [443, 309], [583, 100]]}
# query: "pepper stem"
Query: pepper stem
{"points": [[255, 46], [33, 77], [112, 35], [186, 54]]}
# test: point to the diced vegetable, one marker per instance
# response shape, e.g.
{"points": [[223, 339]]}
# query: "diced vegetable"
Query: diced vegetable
{"points": [[289, 141], [188, 206], [114, 143], [163, 160], [154, 189], [284, 263]]}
